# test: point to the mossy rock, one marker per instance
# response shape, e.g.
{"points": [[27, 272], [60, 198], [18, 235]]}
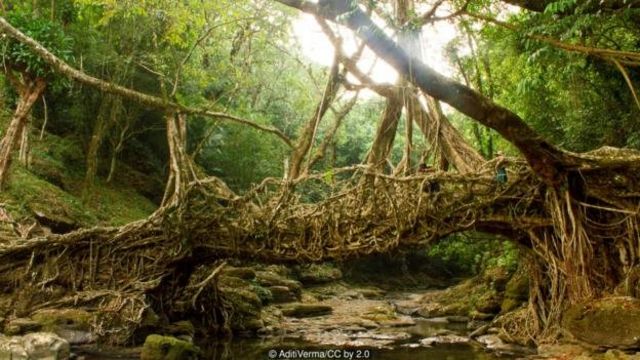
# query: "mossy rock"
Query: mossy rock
{"points": [[307, 310], [510, 304], [242, 299], [268, 278], [496, 277], [612, 322], [282, 294], [21, 326], [488, 303], [74, 319], [318, 274], [264, 294], [157, 347], [518, 287]]}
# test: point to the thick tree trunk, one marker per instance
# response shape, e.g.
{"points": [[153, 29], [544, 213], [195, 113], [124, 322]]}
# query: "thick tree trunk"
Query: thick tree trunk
{"points": [[28, 95], [107, 115], [25, 151], [178, 158], [148, 100], [548, 162], [386, 133]]}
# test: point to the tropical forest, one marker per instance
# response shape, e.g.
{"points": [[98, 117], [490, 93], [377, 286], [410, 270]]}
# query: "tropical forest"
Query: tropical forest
{"points": [[319, 179]]}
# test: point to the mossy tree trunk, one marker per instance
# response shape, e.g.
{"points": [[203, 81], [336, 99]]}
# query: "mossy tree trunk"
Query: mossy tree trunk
{"points": [[29, 90], [107, 116]]}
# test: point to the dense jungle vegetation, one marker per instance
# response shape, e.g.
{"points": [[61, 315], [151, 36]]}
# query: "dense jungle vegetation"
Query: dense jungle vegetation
{"points": [[191, 161]]}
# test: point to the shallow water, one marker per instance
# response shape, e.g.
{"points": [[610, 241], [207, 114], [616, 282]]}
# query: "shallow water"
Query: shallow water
{"points": [[256, 349], [249, 349]]}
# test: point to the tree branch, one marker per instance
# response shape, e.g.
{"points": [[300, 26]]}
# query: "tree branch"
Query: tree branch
{"points": [[549, 162], [151, 101]]}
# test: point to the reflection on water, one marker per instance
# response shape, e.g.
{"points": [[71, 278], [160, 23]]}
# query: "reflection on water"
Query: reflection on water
{"points": [[258, 349], [286, 347]]}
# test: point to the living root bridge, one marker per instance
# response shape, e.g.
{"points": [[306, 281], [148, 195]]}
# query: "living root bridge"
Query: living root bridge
{"points": [[162, 262], [169, 262]]}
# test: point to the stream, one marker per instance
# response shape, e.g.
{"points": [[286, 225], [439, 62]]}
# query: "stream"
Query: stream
{"points": [[346, 333]]}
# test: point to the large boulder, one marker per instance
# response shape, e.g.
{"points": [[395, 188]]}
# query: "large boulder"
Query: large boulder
{"points": [[157, 347], [612, 322], [34, 346]]}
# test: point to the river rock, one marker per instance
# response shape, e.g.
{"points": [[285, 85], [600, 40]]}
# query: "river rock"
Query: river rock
{"points": [[481, 330], [494, 343], [372, 293], [318, 274], [157, 347], [563, 351], [307, 310], [458, 319], [444, 339], [282, 294], [73, 325], [476, 315], [266, 279], [42, 346], [619, 355], [21, 326], [246, 303], [367, 324], [400, 321], [612, 322]]}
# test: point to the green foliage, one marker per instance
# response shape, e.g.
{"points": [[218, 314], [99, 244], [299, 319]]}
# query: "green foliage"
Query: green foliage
{"points": [[576, 101], [561, 6], [50, 34], [471, 253]]}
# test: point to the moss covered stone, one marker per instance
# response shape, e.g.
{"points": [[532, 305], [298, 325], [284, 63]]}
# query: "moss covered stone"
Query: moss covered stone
{"points": [[609, 322], [53, 319], [244, 298], [157, 347], [318, 274], [268, 278]]}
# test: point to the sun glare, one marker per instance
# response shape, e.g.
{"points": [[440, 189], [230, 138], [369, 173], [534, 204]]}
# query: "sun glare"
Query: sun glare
{"points": [[316, 47]]}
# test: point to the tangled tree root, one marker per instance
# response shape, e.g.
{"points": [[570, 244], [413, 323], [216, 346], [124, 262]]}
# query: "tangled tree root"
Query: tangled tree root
{"points": [[584, 240]]}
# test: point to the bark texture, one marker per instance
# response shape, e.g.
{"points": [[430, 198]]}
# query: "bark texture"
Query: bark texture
{"points": [[28, 91]]}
